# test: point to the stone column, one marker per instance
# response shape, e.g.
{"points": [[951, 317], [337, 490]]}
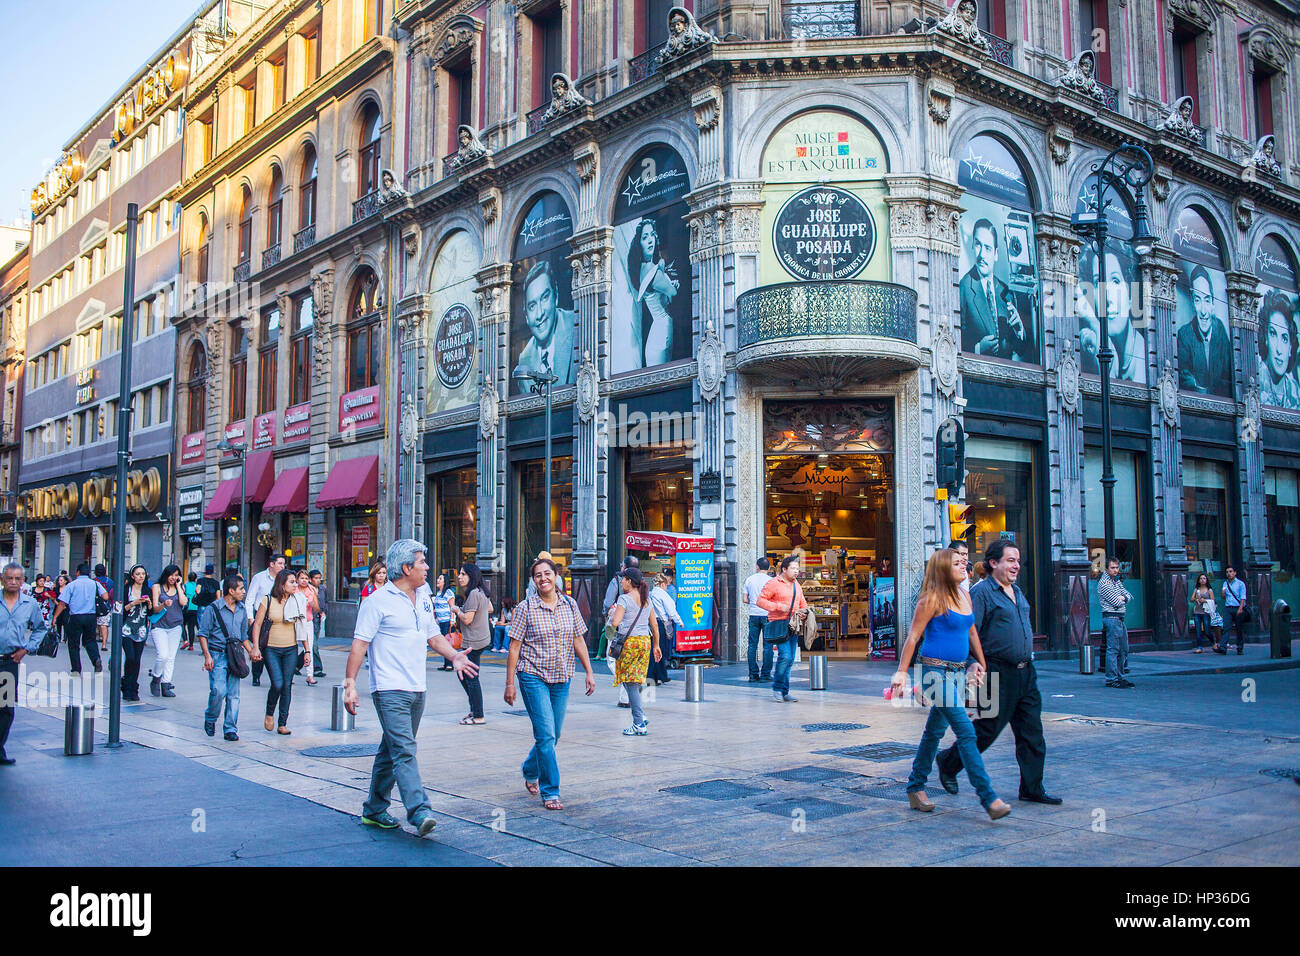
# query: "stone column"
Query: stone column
{"points": [[412, 322], [493, 295], [215, 334], [322, 394]]}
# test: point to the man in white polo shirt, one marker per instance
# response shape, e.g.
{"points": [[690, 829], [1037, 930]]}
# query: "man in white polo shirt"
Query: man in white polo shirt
{"points": [[395, 626]]}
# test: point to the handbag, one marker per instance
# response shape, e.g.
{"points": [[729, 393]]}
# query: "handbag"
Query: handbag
{"points": [[785, 636], [620, 639], [237, 662], [49, 646], [264, 635]]}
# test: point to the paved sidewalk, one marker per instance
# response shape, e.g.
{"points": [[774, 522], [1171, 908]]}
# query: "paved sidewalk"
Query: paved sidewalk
{"points": [[1169, 774]]}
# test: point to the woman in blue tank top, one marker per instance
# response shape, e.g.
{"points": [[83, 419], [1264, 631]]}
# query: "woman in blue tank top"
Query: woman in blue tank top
{"points": [[943, 614]]}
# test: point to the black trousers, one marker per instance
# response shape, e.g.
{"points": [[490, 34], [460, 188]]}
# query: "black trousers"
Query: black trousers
{"points": [[474, 689], [8, 700], [80, 629], [132, 652], [1021, 706]]}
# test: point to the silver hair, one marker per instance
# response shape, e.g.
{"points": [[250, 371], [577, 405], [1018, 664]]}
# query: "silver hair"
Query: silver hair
{"points": [[14, 566], [400, 553]]}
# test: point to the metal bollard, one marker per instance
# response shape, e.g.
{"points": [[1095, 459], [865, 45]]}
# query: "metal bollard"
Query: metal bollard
{"points": [[340, 718], [817, 671], [1280, 630], [694, 683], [1087, 659], [78, 730]]}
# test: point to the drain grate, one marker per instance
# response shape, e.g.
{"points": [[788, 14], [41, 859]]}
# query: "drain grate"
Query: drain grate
{"points": [[342, 750], [1282, 773], [812, 774], [885, 750], [1094, 722], [814, 728], [141, 708], [883, 788], [811, 807], [716, 790]]}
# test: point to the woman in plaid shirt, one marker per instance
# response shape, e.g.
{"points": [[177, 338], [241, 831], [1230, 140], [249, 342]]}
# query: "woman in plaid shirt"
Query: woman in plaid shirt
{"points": [[546, 631]]}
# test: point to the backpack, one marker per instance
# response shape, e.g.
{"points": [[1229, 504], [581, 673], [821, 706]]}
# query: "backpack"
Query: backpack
{"points": [[102, 607], [205, 591]]}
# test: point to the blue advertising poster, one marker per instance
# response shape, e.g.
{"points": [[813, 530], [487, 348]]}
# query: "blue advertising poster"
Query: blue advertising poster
{"points": [[695, 601], [884, 620]]}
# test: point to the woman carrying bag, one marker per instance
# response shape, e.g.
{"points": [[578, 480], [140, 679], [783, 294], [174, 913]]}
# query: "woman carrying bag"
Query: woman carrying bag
{"points": [[137, 603], [280, 640], [781, 597], [635, 633], [474, 618], [169, 603]]}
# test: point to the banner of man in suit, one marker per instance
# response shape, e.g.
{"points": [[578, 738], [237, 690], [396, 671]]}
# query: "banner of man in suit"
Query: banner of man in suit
{"points": [[998, 289], [543, 326], [1201, 322]]}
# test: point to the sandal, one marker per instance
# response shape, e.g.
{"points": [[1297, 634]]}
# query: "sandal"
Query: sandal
{"points": [[532, 787], [470, 720], [1200, 650], [553, 804], [311, 681]]}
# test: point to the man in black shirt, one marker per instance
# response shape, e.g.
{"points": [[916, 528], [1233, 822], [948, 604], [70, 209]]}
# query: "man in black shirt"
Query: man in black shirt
{"points": [[1002, 620]]}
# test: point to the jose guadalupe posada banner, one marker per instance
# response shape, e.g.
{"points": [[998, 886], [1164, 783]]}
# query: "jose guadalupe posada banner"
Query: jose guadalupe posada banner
{"points": [[453, 343], [650, 317], [1204, 345], [542, 323], [999, 273], [1278, 340], [824, 213]]}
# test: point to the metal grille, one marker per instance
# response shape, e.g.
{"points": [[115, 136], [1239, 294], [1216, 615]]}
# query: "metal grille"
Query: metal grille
{"points": [[999, 49], [242, 270], [818, 20], [366, 206], [882, 788], [811, 807], [885, 750], [644, 65], [826, 309], [1282, 773], [342, 750], [304, 238], [716, 790], [811, 773], [1110, 97], [814, 728], [535, 119], [271, 256]]}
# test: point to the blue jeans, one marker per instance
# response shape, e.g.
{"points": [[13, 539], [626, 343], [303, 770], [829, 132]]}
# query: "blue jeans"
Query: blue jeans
{"points": [[280, 663], [546, 704], [784, 655], [1203, 629], [399, 715], [755, 638], [222, 686], [1115, 632], [500, 642], [945, 690]]}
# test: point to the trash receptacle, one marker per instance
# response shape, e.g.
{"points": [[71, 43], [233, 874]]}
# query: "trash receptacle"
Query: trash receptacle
{"points": [[1087, 659], [78, 730], [1280, 630]]}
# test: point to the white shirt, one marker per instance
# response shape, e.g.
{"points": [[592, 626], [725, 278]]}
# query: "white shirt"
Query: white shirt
{"points": [[753, 586], [665, 608], [965, 584], [258, 588], [398, 633]]}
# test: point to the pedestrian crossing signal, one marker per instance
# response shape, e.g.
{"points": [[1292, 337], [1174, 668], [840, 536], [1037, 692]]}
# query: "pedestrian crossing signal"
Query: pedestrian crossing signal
{"points": [[961, 522]]}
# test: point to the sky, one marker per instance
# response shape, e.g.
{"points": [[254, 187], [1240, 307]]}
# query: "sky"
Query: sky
{"points": [[60, 61]]}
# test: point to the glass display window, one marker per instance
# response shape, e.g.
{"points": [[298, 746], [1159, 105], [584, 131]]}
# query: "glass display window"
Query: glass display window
{"points": [[1129, 508], [358, 546], [1205, 519], [533, 513], [456, 535], [1001, 490], [1282, 506]]}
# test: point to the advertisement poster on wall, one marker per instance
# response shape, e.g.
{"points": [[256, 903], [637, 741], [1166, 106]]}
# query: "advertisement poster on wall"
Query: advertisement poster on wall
{"points": [[453, 337], [884, 620], [998, 265], [1277, 342], [1201, 320], [543, 326], [824, 214], [1125, 312], [650, 307]]}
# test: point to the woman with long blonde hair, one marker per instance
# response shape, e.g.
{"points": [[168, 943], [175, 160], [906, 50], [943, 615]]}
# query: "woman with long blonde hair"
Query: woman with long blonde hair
{"points": [[943, 614]]}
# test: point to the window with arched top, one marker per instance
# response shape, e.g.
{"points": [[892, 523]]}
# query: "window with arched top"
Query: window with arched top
{"points": [[368, 155], [196, 385], [364, 331], [245, 225], [307, 190], [205, 239], [275, 208]]}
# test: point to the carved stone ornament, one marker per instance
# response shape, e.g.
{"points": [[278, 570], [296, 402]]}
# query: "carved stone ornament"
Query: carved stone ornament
{"points": [[471, 148], [488, 412], [1267, 49], [1179, 121], [322, 294], [586, 158], [710, 362], [1080, 76], [1160, 183], [1243, 213], [706, 104], [564, 98], [1194, 11], [1059, 141], [409, 426], [489, 204], [943, 359], [389, 190], [411, 242], [459, 35], [1067, 377], [1162, 284], [940, 105], [684, 35], [1169, 396], [284, 303], [1250, 424], [962, 22], [1265, 159], [588, 381]]}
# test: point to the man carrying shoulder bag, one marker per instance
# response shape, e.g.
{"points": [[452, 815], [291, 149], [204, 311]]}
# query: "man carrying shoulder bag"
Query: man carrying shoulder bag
{"points": [[227, 649]]}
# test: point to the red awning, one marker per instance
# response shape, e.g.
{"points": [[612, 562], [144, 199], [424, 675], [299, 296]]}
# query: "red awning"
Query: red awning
{"points": [[261, 474], [289, 493], [354, 481], [225, 502]]}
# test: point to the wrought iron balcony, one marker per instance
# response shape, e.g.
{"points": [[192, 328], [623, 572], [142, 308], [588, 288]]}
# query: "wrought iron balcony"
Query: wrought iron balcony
{"points": [[815, 21], [1111, 97], [535, 119], [242, 270], [271, 256], [304, 238], [366, 206], [643, 65], [824, 333], [446, 164], [999, 49]]}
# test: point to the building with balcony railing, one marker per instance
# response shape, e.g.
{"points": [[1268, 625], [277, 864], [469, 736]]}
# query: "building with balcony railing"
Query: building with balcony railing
{"points": [[13, 342]]}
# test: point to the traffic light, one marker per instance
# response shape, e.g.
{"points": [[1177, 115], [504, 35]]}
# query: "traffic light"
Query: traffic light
{"points": [[961, 522], [950, 456]]}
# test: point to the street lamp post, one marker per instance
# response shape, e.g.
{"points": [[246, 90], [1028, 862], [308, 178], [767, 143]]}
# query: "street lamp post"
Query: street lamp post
{"points": [[542, 382], [240, 451], [1129, 164]]}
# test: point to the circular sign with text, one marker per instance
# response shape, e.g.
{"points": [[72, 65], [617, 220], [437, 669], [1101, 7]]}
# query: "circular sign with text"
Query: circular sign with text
{"points": [[824, 232], [453, 346]]}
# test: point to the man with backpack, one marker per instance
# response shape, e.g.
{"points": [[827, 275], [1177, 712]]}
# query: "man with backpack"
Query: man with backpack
{"points": [[224, 621], [103, 605]]}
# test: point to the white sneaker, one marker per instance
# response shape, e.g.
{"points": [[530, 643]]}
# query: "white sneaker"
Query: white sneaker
{"points": [[776, 696]]}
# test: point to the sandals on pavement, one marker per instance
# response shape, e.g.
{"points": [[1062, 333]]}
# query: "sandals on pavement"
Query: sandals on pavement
{"points": [[553, 804], [470, 720], [532, 787]]}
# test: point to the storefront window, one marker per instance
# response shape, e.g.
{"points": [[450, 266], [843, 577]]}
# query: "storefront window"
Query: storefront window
{"points": [[532, 515], [295, 549], [358, 547], [1282, 506], [1128, 523], [1000, 487], [457, 505], [1205, 518], [829, 478], [660, 495]]}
